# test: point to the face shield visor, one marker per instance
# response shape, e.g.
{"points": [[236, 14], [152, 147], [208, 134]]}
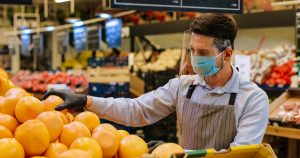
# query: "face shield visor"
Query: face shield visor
{"points": [[202, 54]]}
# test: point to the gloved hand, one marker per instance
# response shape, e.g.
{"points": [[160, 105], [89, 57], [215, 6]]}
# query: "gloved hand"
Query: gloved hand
{"points": [[154, 144], [76, 102]]}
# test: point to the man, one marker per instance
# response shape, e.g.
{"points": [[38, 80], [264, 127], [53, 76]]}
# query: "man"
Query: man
{"points": [[216, 107]]}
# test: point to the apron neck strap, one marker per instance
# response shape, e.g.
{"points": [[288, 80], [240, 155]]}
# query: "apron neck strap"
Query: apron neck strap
{"points": [[190, 91], [192, 88], [232, 99]]}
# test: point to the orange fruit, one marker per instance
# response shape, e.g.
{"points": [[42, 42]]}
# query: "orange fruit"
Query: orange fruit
{"points": [[166, 150], [16, 91], [108, 141], [89, 119], [11, 84], [10, 102], [1, 101], [72, 131], [11, 148], [132, 146], [34, 137], [123, 133], [53, 101], [9, 122], [62, 116], [5, 132], [75, 153], [28, 108], [109, 127], [115, 156], [53, 123], [70, 117], [55, 149], [4, 85], [3, 73], [88, 144]]}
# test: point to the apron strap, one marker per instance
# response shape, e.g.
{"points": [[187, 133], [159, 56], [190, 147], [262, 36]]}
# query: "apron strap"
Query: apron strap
{"points": [[232, 99], [190, 91]]}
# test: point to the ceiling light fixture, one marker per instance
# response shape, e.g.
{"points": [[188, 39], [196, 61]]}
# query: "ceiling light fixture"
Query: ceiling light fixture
{"points": [[61, 1], [105, 15]]}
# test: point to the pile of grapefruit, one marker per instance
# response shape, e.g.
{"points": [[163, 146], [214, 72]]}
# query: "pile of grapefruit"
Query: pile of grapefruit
{"points": [[30, 128]]}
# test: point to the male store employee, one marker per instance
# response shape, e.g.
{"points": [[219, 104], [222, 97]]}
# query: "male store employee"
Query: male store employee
{"points": [[215, 106]]}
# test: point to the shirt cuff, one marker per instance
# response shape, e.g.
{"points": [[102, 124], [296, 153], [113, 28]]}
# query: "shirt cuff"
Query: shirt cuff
{"points": [[98, 103]]}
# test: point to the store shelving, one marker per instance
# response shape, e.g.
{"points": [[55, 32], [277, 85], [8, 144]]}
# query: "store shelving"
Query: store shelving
{"points": [[244, 21]]}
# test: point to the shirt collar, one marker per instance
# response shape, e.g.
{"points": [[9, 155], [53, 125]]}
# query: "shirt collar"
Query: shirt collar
{"points": [[232, 86]]}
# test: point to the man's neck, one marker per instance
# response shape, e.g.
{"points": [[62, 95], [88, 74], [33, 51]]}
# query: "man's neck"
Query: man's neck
{"points": [[221, 78]]}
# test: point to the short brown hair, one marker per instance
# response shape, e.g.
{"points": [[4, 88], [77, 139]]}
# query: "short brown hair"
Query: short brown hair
{"points": [[215, 25]]}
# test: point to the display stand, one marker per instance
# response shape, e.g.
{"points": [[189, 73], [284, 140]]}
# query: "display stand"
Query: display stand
{"points": [[291, 133]]}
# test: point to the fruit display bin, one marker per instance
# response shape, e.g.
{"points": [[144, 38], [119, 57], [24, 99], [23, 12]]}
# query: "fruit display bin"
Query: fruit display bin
{"points": [[246, 151]]}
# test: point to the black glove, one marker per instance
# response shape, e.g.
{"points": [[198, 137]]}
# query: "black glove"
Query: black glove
{"points": [[76, 102], [154, 144]]}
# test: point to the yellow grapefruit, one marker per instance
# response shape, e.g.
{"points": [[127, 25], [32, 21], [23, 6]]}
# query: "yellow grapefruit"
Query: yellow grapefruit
{"points": [[75, 153], [10, 102], [11, 148], [55, 149], [5, 132], [72, 131], [88, 144], [9, 122], [28, 108], [53, 123], [109, 127], [132, 146], [89, 119], [166, 150], [123, 133], [53, 101], [34, 137], [108, 141]]}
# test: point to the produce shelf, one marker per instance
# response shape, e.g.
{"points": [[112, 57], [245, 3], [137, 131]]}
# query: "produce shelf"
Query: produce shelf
{"points": [[286, 132], [274, 88], [244, 21]]}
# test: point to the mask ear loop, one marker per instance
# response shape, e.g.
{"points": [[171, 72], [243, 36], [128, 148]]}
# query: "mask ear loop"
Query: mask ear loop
{"points": [[221, 45]]}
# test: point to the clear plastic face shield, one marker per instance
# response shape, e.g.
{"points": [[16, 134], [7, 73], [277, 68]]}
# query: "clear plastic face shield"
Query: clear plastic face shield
{"points": [[202, 54]]}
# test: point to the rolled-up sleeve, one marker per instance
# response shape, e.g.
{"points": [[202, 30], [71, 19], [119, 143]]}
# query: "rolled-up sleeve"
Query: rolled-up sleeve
{"points": [[252, 125], [141, 111]]}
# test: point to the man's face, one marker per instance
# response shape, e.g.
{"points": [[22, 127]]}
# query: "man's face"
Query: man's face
{"points": [[201, 45]]}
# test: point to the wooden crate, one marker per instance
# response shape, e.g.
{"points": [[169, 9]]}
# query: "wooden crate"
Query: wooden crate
{"points": [[290, 96], [108, 75], [137, 86]]}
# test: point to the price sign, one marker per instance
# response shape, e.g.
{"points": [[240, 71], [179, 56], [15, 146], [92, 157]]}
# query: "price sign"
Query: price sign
{"points": [[243, 63], [94, 37], [25, 44], [38, 42], [224, 6], [80, 38], [63, 42], [16, 2], [113, 30]]}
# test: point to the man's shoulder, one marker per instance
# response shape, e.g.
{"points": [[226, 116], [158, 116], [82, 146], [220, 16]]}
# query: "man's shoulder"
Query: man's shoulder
{"points": [[248, 88], [186, 79]]}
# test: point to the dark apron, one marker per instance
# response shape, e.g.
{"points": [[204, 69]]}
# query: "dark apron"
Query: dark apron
{"points": [[207, 126]]}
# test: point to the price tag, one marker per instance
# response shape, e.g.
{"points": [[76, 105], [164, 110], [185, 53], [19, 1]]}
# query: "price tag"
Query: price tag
{"points": [[243, 63]]}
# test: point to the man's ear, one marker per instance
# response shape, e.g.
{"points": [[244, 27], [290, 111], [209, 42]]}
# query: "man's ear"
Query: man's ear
{"points": [[228, 52]]}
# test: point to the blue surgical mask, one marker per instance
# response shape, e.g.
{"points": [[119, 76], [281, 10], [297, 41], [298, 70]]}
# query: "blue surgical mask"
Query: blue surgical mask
{"points": [[204, 66]]}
